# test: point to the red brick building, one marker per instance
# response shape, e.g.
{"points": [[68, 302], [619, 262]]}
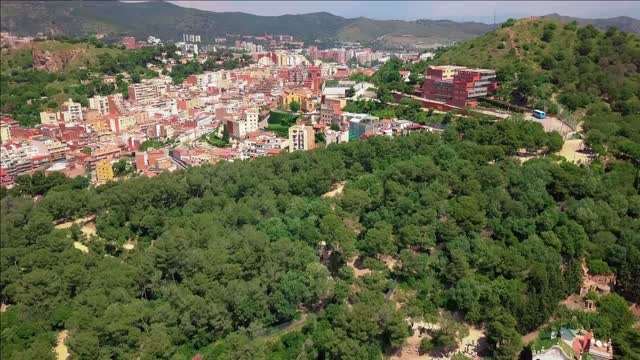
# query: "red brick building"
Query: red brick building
{"points": [[129, 42], [457, 85]]}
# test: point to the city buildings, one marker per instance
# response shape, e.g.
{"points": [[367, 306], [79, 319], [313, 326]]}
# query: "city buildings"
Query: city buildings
{"points": [[83, 140], [457, 85]]}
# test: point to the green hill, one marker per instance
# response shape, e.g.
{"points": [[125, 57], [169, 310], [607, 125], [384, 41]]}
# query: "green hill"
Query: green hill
{"points": [[623, 23], [582, 72], [44, 75], [544, 60]]}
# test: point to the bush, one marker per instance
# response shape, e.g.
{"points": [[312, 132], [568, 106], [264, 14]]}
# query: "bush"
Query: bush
{"points": [[425, 345], [510, 22], [598, 267], [501, 46]]}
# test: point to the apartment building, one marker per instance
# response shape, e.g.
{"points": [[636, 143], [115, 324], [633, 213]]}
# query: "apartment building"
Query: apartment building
{"points": [[143, 93], [251, 117], [301, 137], [71, 111], [331, 109], [119, 123], [100, 103], [55, 149], [361, 124], [17, 159], [336, 137]]}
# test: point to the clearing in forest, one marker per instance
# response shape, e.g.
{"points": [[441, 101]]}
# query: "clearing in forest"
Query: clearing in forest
{"points": [[574, 151], [336, 190]]}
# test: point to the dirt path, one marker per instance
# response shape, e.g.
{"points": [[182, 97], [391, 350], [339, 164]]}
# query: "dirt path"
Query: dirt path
{"points": [[512, 43], [79, 246], [336, 190], [88, 225], [358, 272], [62, 352]]}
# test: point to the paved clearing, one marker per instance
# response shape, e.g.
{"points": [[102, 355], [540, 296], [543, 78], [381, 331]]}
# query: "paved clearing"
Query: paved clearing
{"points": [[572, 150], [551, 124]]}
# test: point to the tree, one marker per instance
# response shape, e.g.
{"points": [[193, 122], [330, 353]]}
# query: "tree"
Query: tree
{"points": [[350, 92], [294, 106], [554, 142], [504, 341], [225, 134], [425, 345], [379, 240]]}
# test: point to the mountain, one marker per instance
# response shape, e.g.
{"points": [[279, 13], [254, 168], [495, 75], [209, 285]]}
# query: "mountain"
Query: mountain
{"points": [[169, 21], [623, 23]]}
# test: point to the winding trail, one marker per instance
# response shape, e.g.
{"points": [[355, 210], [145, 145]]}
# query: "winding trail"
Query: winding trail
{"points": [[62, 352]]}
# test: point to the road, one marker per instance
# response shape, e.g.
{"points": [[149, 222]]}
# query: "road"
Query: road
{"points": [[179, 163], [549, 124]]}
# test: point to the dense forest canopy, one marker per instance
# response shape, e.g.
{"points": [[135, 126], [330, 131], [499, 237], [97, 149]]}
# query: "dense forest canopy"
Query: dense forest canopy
{"points": [[224, 253]]}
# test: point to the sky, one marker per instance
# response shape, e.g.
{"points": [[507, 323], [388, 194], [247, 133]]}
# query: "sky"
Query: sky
{"points": [[482, 11]]}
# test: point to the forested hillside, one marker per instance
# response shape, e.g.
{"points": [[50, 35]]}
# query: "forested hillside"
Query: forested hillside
{"points": [[584, 74], [42, 76], [224, 253], [578, 64]]}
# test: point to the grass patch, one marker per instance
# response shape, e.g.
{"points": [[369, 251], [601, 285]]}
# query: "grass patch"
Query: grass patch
{"points": [[282, 118], [214, 140], [280, 130]]}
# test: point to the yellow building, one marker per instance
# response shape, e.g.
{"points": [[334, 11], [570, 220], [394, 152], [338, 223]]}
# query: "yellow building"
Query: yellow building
{"points": [[5, 133], [48, 117], [290, 96], [104, 171], [304, 97], [448, 71]]}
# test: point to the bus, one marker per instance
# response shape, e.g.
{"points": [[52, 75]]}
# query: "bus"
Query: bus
{"points": [[539, 114]]}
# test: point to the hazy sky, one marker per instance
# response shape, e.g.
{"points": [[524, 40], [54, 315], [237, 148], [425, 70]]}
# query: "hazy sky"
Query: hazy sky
{"points": [[411, 10]]}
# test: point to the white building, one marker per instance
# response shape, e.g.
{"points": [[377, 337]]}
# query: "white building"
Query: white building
{"points": [[301, 137], [71, 111], [251, 119], [100, 103]]}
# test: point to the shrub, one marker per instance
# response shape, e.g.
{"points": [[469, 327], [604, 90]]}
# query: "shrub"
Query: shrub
{"points": [[510, 22], [425, 345]]}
